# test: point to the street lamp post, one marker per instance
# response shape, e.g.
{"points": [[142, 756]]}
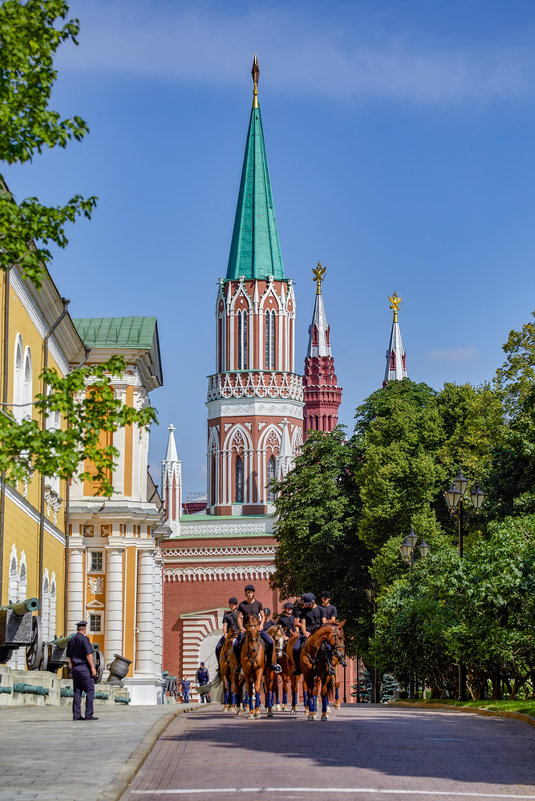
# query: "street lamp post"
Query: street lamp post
{"points": [[371, 592], [407, 549], [455, 500]]}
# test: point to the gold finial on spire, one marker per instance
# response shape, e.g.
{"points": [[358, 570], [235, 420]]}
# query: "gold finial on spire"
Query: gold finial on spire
{"points": [[395, 302], [255, 72], [319, 273]]}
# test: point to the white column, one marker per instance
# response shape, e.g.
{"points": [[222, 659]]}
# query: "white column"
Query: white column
{"points": [[75, 604], [113, 631], [118, 441], [158, 612], [145, 612]]}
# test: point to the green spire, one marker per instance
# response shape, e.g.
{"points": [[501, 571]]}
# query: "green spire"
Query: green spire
{"points": [[255, 250]]}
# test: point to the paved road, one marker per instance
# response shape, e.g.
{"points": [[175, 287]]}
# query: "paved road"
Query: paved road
{"points": [[365, 753]]}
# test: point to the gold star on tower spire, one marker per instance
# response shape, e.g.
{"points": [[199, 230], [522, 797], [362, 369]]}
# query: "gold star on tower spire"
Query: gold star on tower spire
{"points": [[319, 276], [255, 72]]}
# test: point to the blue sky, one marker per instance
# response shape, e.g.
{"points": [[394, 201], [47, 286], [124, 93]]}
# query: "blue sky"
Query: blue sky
{"points": [[401, 142]]}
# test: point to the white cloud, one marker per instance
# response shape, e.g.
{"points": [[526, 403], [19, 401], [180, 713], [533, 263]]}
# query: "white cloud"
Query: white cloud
{"points": [[209, 43], [454, 354]]}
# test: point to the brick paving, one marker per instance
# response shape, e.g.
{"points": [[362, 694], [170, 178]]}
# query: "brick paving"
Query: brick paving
{"points": [[46, 756], [362, 752]]}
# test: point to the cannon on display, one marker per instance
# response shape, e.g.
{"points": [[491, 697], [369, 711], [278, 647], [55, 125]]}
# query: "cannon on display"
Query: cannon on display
{"points": [[57, 656], [20, 628]]}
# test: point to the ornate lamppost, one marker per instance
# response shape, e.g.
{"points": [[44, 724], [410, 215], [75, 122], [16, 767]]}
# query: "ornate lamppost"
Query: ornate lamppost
{"points": [[455, 499], [371, 592], [407, 549]]}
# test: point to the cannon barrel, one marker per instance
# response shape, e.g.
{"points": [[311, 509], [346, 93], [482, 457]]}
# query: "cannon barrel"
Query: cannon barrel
{"points": [[61, 642], [20, 608]]}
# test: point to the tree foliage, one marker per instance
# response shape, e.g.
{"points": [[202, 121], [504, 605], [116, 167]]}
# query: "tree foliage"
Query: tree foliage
{"points": [[31, 31], [87, 404]]}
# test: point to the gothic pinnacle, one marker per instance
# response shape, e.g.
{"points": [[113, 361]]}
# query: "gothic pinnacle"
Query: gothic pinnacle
{"points": [[255, 72]]}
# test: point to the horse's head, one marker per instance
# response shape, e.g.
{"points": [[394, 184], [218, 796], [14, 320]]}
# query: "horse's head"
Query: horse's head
{"points": [[277, 635], [339, 648], [252, 627]]}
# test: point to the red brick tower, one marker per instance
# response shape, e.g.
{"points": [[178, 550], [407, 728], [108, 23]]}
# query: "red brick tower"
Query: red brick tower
{"points": [[321, 391]]}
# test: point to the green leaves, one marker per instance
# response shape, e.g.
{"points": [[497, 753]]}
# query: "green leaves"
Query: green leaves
{"points": [[86, 401]]}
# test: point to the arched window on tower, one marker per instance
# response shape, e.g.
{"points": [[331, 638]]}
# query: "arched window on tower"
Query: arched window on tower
{"points": [[18, 381], [242, 340], [269, 361], [271, 473], [404, 365], [239, 479], [315, 337], [392, 360], [27, 389]]}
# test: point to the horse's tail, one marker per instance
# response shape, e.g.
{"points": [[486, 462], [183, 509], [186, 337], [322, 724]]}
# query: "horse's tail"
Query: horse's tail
{"points": [[218, 678]]}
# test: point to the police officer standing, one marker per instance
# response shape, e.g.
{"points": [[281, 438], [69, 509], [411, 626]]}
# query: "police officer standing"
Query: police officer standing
{"points": [[83, 672]]}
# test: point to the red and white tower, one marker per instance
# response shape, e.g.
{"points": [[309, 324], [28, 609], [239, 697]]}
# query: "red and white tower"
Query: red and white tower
{"points": [[321, 391], [396, 368], [171, 491], [255, 398]]}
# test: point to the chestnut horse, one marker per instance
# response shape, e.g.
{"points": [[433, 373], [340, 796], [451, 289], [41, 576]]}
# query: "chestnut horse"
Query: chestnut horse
{"points": [[227, 665], [255, 668], [277, 635], [315, 665], [286, 661]]}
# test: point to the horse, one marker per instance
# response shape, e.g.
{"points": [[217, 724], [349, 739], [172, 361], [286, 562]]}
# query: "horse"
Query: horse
{"points": [[277, 635], [315, 665], [227, 664], [255, 668], [286, 661], [337, 659]]}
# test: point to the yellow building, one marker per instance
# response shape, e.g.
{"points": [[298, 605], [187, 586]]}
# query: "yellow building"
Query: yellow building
{"points": [[36, 331], [115, 573]]}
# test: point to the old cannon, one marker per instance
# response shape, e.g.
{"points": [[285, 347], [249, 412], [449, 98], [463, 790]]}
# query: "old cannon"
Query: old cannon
{"points": [[20, 628], [57, 656]]}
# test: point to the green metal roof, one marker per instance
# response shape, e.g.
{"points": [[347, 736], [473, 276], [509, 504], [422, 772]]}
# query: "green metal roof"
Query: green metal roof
{"points": [[116, 332], [255, 250]]}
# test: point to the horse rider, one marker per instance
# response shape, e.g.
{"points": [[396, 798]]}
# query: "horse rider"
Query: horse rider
{"points": [[250, 607], [268, 622], [310, 620], [331, 615], [230, 621], [287, 620]]}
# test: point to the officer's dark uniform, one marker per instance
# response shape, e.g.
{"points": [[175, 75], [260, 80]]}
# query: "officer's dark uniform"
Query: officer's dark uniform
{"points": [[329, 611], [78, 648], [269, 624], [288, 624]]}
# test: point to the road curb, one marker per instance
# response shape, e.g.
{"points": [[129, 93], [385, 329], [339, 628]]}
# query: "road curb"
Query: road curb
{"points": [[487, 712], [120, 782]]}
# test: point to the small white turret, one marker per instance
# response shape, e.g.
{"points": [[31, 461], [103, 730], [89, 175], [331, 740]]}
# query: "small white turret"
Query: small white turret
{"points": [[172, 484], [396, 368]]}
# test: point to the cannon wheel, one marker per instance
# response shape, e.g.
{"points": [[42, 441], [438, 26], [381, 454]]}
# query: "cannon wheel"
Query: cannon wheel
{"points": [[37, 650], [99, 666], [5, 654]]}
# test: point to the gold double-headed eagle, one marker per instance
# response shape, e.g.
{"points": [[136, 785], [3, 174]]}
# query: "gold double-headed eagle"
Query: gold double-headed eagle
{"points": [[395, 302], [319, 273]]}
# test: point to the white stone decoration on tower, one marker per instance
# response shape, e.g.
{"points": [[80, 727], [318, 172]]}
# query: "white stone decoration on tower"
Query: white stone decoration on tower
{"points": [[285, 459], [396, 368], [172, 484]]}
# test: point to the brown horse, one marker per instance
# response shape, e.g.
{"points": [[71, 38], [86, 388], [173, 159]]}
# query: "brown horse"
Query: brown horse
{"points": [[315, 665], [255, 668], [227, 665], [277, 635], [286, 661]]}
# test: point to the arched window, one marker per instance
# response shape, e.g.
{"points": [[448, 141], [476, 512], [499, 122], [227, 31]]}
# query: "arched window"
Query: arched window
{"points": [[404, 365], [242, 340], [18, 380], [392, 360], [271, 473], [315, 336], [52, 625], [13, 589], [239, 479], [269, 360], [27, 391]]}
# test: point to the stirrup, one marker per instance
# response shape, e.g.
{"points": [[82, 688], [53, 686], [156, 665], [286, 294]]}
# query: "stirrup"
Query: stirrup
{"points": [[276, 668], [331, 671]]}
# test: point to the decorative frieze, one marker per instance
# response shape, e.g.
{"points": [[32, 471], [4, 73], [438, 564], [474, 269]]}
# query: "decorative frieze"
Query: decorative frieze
{"points": [[234, 573], [244, 550], [255, 384]]}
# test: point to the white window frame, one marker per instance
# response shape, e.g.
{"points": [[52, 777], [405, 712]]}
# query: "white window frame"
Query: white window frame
{"points": [[92, 570]]}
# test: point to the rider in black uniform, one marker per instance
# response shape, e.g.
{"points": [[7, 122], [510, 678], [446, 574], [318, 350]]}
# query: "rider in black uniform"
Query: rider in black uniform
{"points": [[253, 608], [310, 620], [268, 622], [230, 621], [330, 611], [287, 620]]}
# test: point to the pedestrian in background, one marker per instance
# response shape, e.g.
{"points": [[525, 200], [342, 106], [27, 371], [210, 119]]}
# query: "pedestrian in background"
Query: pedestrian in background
{"points": [[184, 686], [83, 672], [203, 678]]}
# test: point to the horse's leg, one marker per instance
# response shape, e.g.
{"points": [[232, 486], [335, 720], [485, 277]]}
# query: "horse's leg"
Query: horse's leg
{"points": [[324, 703], [257, 684], [336, 704], [269, 678]]}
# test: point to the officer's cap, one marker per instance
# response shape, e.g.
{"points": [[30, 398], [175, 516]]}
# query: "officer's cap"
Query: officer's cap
{"points": [[267, 610], [325, 594], [288, 605], [249, 587], [233, 600], [202, 664], [308, 598], [82, 624]]}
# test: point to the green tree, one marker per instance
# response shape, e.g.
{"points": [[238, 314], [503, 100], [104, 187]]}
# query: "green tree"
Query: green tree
{"points": [[318, 547], [30, 33]]}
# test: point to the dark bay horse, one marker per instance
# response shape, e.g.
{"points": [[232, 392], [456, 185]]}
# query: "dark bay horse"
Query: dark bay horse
{"points": [[227, 665], [315, 665], [286, 661], [255, 668]]}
